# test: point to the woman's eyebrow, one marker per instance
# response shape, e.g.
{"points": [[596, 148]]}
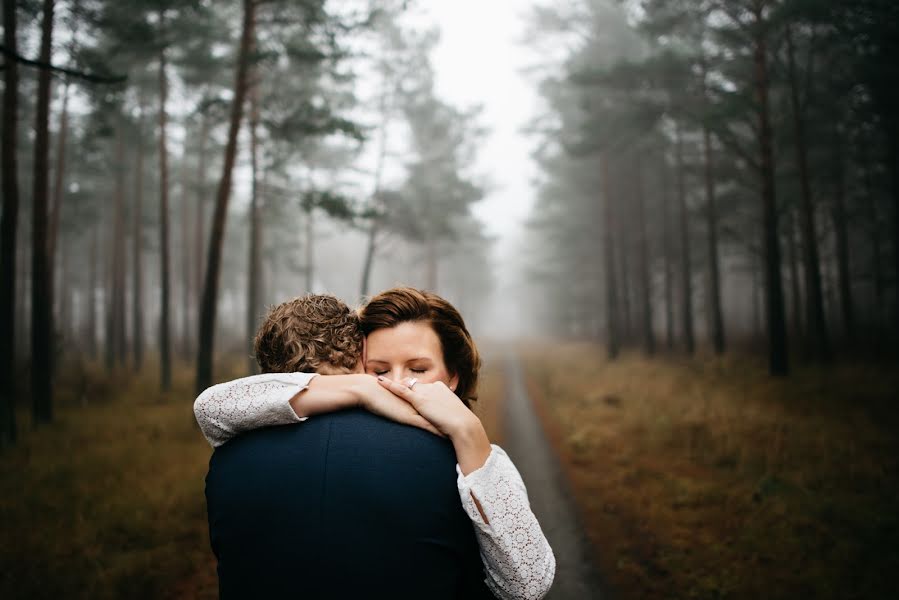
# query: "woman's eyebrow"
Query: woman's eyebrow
{"points": [[375, 360]]}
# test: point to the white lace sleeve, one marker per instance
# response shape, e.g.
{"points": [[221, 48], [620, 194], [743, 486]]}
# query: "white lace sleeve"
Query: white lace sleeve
{"points": [[517, 558], [229, 408]]}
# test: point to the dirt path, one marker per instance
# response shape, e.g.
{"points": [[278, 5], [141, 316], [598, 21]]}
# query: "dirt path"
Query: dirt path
{"points": [[550, 497]]}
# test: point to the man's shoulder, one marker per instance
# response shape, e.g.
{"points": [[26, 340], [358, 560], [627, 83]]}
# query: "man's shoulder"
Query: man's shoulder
{"points": [[354, 428]]}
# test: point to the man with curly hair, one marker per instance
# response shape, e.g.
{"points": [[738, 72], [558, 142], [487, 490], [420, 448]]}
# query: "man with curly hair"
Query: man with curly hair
{"points": [[346, 505], [315, 334]]}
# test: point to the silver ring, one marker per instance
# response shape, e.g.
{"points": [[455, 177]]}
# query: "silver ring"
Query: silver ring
{"points": [[412, 383]]}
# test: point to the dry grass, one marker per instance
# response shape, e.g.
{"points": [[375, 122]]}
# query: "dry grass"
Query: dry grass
{"points": [[107, 502], [708, 479], [491, 393]]}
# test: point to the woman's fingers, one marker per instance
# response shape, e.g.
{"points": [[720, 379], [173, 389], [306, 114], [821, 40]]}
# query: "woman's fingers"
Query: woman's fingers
{"points": [[403, 391]]}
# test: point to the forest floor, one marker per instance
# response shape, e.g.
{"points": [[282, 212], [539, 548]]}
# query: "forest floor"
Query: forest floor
{"points": [[705, 478], [108, 501]]}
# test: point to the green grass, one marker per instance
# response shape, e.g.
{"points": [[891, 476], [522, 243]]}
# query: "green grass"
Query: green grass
{"points": [[706, 478]]}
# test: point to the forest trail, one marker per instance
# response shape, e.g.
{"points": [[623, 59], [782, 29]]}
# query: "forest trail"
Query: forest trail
{"points": [[549, 493]]}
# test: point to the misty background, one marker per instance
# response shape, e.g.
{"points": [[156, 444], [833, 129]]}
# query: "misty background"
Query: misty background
{"points": [[672, 201]]}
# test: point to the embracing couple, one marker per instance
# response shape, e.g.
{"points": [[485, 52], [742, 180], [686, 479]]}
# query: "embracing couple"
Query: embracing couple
{"points": [[386, 484]]}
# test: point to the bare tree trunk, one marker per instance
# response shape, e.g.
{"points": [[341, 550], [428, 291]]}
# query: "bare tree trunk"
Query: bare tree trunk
{"points": [[649, 340], [210, 288], [716, 320], [841, 231], [876, 248], [778, 361], [757, 329], [187, 328], [58, 187], [200, 234], [253, 265], [8, 231], [893, 169], [41, 302], [165, 345], [137, 303], [795, 287], [91, 301], [819, 338], [612, 331], [685, 254], [118, 339], [372, 239], [668, 254]]}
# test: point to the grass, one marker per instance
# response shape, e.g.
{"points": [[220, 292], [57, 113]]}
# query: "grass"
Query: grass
{"points": [[107, 502], [706, 478]]}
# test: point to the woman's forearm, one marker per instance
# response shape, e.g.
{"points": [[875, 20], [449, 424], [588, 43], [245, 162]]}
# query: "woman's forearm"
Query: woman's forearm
{"points": [[330, 393], [471, 444]]}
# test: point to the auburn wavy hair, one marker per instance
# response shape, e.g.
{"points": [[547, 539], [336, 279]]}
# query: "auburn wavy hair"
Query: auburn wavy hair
{"points": [[315, 333], [404, 304]]}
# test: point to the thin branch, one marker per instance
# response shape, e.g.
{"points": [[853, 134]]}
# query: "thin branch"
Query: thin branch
{"points": [[89, 77]]}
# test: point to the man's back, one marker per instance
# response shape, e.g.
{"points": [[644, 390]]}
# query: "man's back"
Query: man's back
{"points": [[346, 505]]}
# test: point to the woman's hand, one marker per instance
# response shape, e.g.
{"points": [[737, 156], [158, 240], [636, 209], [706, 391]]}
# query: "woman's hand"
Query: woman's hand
{"points": [[439, 405], [329, 393], [379, 401]]}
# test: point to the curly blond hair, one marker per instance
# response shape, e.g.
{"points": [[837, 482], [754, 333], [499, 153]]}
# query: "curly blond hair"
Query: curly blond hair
{"points": [[313, 333]]}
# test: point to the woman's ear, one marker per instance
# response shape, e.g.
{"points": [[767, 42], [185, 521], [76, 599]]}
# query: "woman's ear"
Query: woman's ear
{"points": [[454, 382]]}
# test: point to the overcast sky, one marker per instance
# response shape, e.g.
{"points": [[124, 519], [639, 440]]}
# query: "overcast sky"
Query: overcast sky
{"points": [[479, 61]]}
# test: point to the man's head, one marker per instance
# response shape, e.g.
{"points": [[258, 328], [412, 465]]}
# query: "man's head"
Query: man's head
{"points": [[315, 333]]}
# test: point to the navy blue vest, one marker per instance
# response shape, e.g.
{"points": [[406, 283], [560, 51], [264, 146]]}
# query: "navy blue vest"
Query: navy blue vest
{"points": [[345, 505]]}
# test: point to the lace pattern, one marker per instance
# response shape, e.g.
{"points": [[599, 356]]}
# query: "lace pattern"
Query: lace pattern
{"points": [[518, 560], [230, 408]]}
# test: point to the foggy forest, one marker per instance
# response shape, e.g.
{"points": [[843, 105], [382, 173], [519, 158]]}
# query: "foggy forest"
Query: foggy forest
{"points": [[681, 266]]}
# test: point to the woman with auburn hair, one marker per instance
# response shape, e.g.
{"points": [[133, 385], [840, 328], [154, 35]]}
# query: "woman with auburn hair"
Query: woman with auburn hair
{"points": [[417, 348]]}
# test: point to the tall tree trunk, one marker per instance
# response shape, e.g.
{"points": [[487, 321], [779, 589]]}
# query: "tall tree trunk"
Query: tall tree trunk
{"points": [[137, 304], [716, 319], [187, 329], [778, 360], [58, 190], [41, 304], [893, 169], [649, 340], [376, 205], [253, 263], [8, 231], [117, 331], [757, 329], [210, 288], [876, 248], [841, 231], [612, 332], [200, 233], [165, 343], [668, 254], [818, 337], [795, 286], [91, 301], [685, 254]]}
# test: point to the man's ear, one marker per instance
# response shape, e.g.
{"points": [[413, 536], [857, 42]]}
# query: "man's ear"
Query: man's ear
{"points": [[364, 352], [454, 382]]}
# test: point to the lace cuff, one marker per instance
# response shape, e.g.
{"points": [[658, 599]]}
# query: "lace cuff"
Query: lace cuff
{"points": [[518, 560], [230, 408]]}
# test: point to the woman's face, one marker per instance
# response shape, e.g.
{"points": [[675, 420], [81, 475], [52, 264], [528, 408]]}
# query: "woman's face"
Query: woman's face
{"points": [[410, 349]]}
